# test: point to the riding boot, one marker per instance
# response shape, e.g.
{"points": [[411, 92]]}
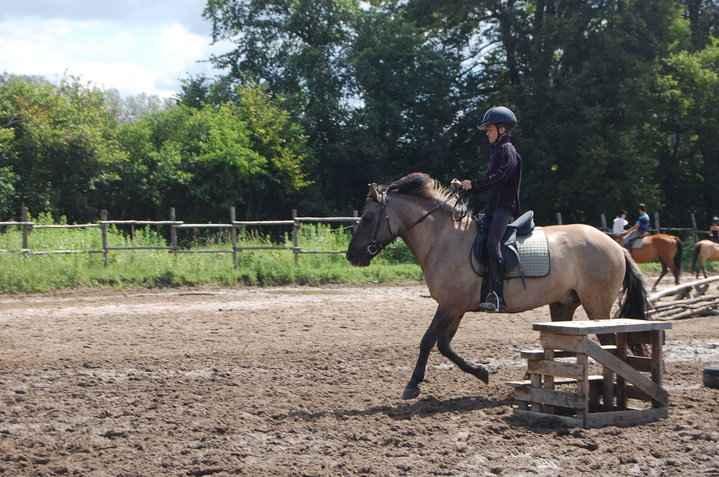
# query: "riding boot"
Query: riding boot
{"points": [[494, 301]]}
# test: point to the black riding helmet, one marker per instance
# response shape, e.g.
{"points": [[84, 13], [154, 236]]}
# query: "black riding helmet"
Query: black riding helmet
{"points": [[498, 115]]}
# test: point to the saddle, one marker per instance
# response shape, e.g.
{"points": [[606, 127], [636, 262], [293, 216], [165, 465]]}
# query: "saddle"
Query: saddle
{"points": [[524, 248]]}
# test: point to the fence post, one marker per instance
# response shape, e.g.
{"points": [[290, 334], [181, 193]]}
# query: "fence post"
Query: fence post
{"points": [[173, 232], [295, 236], [355, 213], [604, 223], [25, 217], [657, 225], [695, 230], [233, 235], [103, 232], [559, 218]]}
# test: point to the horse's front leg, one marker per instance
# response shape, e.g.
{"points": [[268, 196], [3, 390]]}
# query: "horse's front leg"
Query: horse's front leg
{"points": [[429, 339]]}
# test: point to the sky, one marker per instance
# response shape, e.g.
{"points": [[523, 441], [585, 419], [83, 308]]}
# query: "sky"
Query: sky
{"points": [[134, 46]]}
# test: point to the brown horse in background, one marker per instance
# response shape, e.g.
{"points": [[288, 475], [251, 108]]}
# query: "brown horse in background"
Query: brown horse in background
{"points": [[587, 267], [664, 248], [704, 250]]}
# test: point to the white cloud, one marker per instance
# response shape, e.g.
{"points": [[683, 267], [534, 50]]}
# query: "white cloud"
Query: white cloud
{"points": [[133, 58]]}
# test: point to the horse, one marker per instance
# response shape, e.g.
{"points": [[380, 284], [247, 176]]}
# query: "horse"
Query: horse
{"points": [[704, 250], [665, 248], [586, 266]]}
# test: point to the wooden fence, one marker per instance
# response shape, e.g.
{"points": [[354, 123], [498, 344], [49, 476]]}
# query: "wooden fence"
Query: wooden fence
{"points": [[236, 227]]}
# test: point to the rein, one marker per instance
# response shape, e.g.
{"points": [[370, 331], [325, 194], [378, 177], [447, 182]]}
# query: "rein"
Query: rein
{"points": [[374, 247]]}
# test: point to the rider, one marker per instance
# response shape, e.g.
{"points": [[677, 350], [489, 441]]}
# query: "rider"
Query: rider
{"points": [[714, 229], [502, 180], [638, 230]]}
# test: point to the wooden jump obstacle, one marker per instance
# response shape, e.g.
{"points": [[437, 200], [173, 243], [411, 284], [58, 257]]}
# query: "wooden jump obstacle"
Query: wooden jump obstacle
{"points": [[593, 400]]}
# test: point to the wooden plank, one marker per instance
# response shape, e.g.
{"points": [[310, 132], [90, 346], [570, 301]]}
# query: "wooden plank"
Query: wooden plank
{"points": [[202, 251], [629, 417], [587, 327], [657, 361], [608, 388], [322, 252], [565, 342], [141, 222], [557, 381], [548, 380], [204, 226], [328, 219], [534, 417], [242, 223], [66, 226], [632, 392], [621, 383], [550, 397], [583, 385], [139, 248], [555, 368], [558, 353], [627, 372], [640, 363], [680, 288]]}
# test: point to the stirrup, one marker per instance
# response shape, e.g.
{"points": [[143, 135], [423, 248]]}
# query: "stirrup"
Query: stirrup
{"points": [[492, 303]]}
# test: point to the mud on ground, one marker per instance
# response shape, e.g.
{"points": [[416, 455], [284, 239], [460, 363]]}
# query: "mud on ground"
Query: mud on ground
{"points": [[304, 381]]}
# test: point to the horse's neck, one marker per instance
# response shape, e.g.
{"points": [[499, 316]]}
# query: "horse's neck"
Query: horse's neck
{"points": [[431, 234]]}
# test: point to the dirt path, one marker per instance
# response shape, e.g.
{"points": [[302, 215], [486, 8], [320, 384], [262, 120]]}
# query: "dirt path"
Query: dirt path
{"points": [[303, 381]]}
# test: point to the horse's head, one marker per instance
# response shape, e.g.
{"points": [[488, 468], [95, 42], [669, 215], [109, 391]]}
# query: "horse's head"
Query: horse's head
{"points": [[375, 228]]}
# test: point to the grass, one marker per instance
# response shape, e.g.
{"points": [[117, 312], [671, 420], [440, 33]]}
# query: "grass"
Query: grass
{"points": [[19, 273]]}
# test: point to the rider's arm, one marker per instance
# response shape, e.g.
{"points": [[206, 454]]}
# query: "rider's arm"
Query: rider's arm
{"points": [[507, 165]]}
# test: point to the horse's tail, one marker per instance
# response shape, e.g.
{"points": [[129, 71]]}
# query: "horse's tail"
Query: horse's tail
{"points": [[678, 257], [635, 299], [695, 257]]}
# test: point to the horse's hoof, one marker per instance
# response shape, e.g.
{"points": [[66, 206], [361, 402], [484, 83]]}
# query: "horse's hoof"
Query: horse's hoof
{"points": [[482, 374], [410, 392]]}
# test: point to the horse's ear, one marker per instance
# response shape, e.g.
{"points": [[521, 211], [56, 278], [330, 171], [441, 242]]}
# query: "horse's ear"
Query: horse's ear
{"points": [[374, 192]]}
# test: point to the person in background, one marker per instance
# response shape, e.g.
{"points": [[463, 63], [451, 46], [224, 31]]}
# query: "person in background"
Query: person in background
{"points": [[619, 223], [638, 230]]}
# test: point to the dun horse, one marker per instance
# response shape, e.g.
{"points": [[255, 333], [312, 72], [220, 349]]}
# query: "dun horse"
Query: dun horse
{"points": [[664, 248], [587, 267], [704, 250]]}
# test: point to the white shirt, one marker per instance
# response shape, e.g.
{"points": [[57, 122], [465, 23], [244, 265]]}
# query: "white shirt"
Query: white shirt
{"points": [[618, 225]]}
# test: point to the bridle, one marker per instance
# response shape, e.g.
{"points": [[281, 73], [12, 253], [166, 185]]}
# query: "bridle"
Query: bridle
{"points": [[374, 247]]}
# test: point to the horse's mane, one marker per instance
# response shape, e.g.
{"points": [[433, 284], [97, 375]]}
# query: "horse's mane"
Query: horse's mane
{"points": [[420, 185]]}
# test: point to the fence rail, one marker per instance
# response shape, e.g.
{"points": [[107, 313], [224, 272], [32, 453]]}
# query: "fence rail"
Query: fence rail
{"points": [[235, 226]]}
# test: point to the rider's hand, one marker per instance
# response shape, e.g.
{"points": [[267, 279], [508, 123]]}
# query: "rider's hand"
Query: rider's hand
{"points": [[466, 184]]}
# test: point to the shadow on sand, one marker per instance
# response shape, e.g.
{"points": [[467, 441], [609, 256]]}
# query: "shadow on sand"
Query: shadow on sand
{"points": [[423, 407]]}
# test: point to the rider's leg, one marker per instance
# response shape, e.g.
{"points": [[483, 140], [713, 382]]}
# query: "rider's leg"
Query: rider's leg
{"points": [[494, 301]]}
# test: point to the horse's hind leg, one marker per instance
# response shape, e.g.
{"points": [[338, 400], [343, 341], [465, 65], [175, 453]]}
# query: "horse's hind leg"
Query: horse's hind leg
{"points": [[444, 338], [563, 311], [661, 275]]}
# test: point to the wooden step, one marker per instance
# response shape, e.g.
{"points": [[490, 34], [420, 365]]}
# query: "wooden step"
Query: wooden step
{"points": [[557, 381], [558, 353]]}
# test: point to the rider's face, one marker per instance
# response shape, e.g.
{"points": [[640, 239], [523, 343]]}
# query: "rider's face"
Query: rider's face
{"points": [[492, 133]]}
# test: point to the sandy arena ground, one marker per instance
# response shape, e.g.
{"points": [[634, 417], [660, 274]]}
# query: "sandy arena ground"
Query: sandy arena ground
{"points": [[304, 381]]}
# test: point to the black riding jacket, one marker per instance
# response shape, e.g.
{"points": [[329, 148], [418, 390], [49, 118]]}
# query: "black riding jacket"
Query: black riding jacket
{"points": [[503, 177]]}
